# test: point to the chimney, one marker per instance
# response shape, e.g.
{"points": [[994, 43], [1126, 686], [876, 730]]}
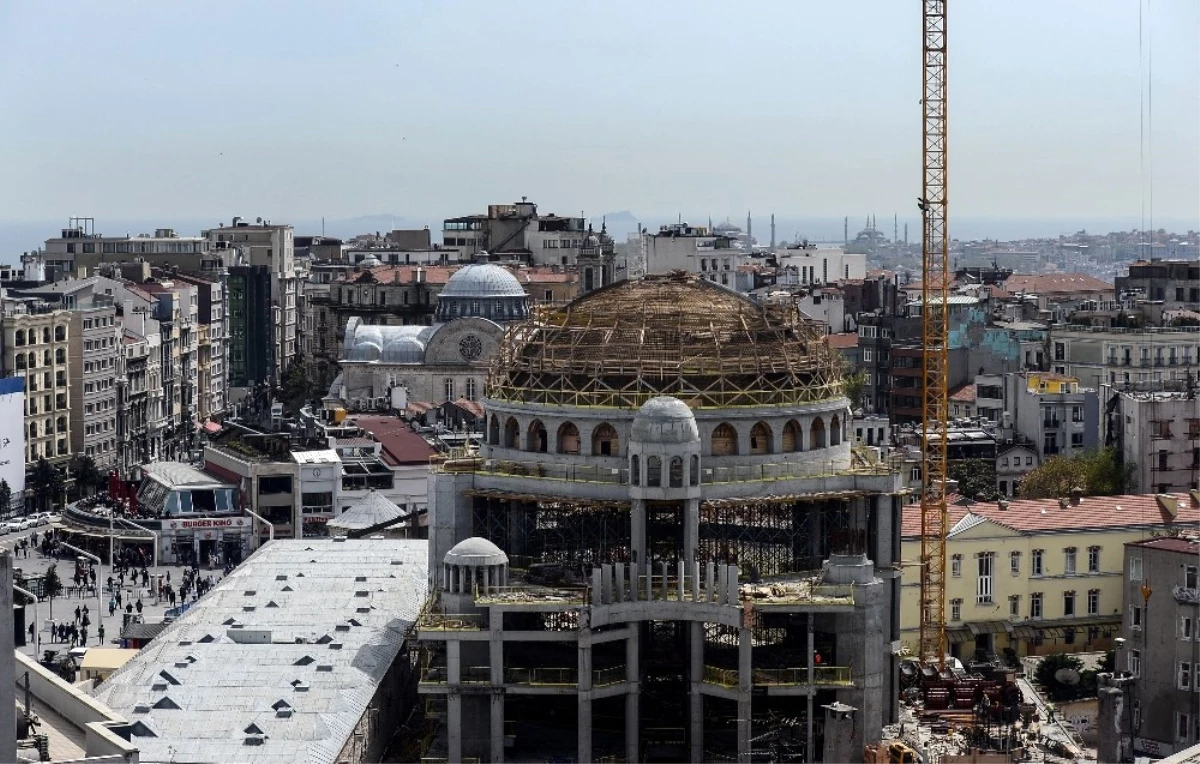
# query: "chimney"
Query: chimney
{"points": [[1002, 505], [1076, 496], [1168, 504]]}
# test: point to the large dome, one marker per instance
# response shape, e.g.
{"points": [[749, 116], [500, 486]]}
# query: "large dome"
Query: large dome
{"points": [[665, 420], [674, 335], [482, 280]]}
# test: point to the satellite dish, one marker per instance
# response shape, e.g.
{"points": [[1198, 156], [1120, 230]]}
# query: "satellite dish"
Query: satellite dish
{"points": [[1067, 676]]}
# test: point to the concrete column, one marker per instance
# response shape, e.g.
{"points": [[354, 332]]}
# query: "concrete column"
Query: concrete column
{"points": [[696, 708], [487, 578], [584, 668], [666, 586], [453, 661], [809, 663], [745, 685], [839, 733], [637, 531], [497, 718], [733, 585], [606, 585], [695, 568], [691, 525], [710, 573], [632, 696], [454, 726]]}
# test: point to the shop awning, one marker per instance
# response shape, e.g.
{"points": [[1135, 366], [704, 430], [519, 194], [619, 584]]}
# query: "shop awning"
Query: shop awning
{"points": [[958, 636], [989, 627]]}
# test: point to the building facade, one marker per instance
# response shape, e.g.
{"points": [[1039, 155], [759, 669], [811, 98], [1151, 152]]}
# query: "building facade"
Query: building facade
{"points": [[592, 472], [37, 344], [1162, 649], [1158, 435], [95, 350]]}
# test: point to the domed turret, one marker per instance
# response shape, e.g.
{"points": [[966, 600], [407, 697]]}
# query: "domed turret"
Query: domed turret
{"points": [[485, 291], [474, 561], [665, 420], [404, 350], [664, 450]]}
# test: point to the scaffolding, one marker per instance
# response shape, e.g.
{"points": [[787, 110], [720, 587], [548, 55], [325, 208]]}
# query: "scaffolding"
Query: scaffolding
{"points": [[673, 335]]}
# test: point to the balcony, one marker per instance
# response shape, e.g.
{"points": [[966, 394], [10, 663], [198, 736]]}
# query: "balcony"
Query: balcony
{"points": [[530, 595], [450, 622], [519, 676]]}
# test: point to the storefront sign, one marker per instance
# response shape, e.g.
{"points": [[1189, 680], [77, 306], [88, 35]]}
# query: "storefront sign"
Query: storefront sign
{"points": [[212, 522]]}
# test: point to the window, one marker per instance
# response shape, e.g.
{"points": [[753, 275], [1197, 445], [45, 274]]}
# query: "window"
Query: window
{"points": [[1004, 461], [1185, 627], [1038, 556], [653, 471], [1069, 561], [1183, 679], [1014, 563], [1182, 726], [449, 384], [470, 389], [1135, 617], [1093, 602], [1189, 577], [956, 610], [1093, 559], [983, 585], [1035, 605], [1068, 604], [867, 357], [1014, 606], [956, 565], [1135, 568]]}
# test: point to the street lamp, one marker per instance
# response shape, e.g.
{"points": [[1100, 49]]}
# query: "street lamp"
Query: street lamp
{"points": [[94, 559], [265, 521]]}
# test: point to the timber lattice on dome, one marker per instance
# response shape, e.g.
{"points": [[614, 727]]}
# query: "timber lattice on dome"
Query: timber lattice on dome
{"points": [[666, 335]]}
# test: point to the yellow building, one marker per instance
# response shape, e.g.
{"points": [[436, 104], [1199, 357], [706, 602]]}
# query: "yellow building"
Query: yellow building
{"points": [[1036, 576], [1051, 384]]}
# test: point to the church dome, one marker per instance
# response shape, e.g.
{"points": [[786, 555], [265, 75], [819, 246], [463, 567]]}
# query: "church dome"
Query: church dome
{"points": [[370, 261], [481, 280], [404, 350], [365, 350], [673, 335]]}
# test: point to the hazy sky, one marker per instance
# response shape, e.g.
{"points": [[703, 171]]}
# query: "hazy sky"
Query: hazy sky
{"points": [[298, 109]]}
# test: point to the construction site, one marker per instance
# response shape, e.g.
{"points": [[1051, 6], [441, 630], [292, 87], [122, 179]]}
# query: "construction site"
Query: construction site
{"points": [[665, 549]]}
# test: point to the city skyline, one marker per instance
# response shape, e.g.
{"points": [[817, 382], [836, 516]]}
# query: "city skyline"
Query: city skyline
{"points": [[388, 109]]}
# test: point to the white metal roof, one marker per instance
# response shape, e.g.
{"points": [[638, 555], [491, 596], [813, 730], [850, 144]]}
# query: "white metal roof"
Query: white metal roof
{"points": [[317, 456], [176, 474], [332, 616]]}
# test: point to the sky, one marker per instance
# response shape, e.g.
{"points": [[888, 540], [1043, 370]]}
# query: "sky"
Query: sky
{"points": [[292, 110]]}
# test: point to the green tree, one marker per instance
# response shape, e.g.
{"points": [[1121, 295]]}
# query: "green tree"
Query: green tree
{"points": [[976, 478], [51, 586], [853, 386], [1096, 473], [1109, 662], [87, 476], [5, 497], [46, 482], [297, 387], [1045, 675]]}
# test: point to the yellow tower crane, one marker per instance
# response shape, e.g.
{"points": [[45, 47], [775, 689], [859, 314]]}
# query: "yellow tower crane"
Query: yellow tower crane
{"points": [[935, 291]]}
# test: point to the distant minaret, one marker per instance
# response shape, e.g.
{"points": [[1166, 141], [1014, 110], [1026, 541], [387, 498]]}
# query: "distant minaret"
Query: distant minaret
{"points": [[846, 229], [772, 231], [749, 232], [896, 233], [906, 233]]}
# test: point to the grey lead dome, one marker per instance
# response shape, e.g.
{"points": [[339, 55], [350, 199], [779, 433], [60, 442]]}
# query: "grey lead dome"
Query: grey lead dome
{"points": [[482, 280], [476, 551], [665, 420]]}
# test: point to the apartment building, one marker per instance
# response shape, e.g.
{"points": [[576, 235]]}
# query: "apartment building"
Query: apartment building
{"points": [[1145, 358], [819, 265], [694, 249], [79, 250], [1158, 433], [94, 352], [517, 230], [1175, 283], [212, 359], [1037, 576], [265, 258], [1052, 413], [138, 403], [36, 346], [1161, 614]]}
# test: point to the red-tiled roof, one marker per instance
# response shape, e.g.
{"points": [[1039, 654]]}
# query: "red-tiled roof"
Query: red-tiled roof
{"points": [[1170, 544], [1046, 515], [474, 407], [842, 341], [404, 274], [400, 444], [964, 394], [1046, 283]]}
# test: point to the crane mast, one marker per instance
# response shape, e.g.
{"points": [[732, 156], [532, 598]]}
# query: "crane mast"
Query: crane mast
{"points": [[935, 289]]}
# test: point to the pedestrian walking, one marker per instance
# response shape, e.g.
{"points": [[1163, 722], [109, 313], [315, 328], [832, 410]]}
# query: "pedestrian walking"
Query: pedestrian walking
{"points": [[112, 606], [32, 630], [139, 605], [129, 608], [100, 634], [78, 612]]}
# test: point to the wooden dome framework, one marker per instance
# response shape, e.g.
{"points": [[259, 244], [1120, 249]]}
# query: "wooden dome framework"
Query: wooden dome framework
{"points": [[673, 335]]}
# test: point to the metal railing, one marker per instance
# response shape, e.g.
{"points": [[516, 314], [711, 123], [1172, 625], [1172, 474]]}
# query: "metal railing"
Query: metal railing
{"points": [[530, 677], [588, 473], [824, 676], [823, 594], [430, 621], [606, 677], [545, 677]]}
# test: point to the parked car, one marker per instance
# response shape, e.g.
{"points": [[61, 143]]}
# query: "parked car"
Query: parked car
{"points": [[14, 525]]}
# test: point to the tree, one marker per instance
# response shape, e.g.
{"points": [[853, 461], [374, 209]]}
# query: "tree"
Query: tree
{"points": [[853, 386], [51, 586], [87, 476], [1096, 473], [46, 482], [297, 388], [5, 497], [1046, 672], [976, 478]]}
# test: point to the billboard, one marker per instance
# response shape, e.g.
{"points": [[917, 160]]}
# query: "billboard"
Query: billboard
{"points": [[12, 435]]}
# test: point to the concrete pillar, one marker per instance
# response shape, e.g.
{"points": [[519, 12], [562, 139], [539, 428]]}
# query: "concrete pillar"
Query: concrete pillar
{"points": [[839, 733], [691, 526], [584, 668], [666, 586], [637, 531], [733, 586], [8, 715], [632, 696], [710, 573], [454, 725], [695, 568], [696, 706], [487, 578], [497, 718], [453, 661], [745, 686]]}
